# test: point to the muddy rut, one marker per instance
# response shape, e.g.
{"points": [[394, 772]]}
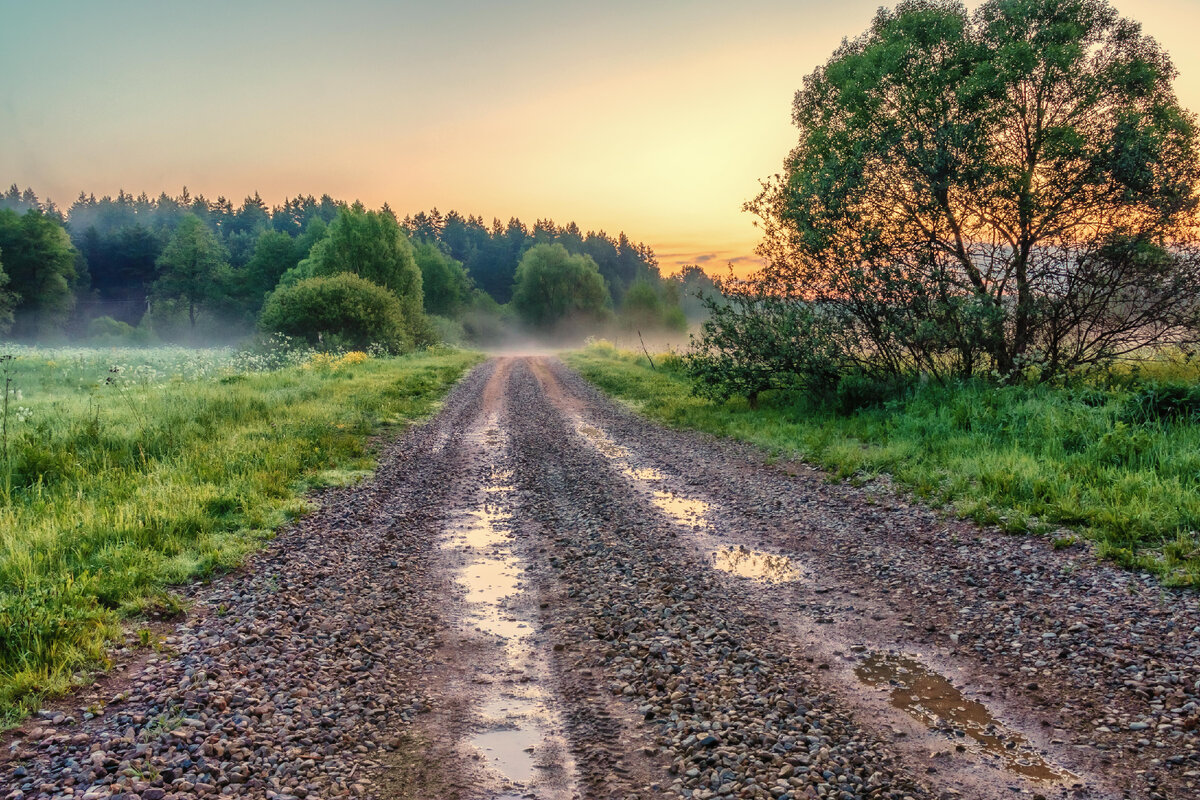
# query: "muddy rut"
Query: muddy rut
{"points": [[542, 595]]}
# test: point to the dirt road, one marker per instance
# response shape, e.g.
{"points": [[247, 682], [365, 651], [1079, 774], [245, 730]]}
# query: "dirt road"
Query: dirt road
{"points": [[541, 595]]}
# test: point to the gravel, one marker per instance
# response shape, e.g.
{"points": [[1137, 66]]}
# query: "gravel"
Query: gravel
{"points": [[315, 670]]}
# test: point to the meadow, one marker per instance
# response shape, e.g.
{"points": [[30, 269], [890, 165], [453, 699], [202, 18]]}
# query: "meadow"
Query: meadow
{"points": [[1115, 458], [125, 472]]}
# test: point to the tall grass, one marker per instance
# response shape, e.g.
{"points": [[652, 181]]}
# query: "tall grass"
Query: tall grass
{"points": [[128, 471], [1116, 460]]}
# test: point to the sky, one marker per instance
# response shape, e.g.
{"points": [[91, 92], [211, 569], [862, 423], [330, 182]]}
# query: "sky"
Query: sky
{"points": [[655, 118]]}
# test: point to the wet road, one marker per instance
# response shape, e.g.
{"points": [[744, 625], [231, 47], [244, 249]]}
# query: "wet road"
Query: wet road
{"points": [[542, 595]]}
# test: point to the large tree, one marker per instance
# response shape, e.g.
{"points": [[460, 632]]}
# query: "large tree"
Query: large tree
{"points": [[371, 245], [551, 285], [7, 300], [40, 262], [1012, 190], [193, 268], [274, 254], [444, 282]]}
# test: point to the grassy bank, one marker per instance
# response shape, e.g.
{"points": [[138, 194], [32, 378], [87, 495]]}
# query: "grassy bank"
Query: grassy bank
{"points": [[1091, 459], [127, 471]]}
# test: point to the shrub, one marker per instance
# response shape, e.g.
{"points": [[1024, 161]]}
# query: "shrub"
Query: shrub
{"points": [[106, 331], [448, 331], [755, 342], [1163, 402], [342, 310]]}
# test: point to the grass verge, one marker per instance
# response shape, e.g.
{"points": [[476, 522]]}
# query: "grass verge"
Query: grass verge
{"points": [[1026, 458], [121, 479]]}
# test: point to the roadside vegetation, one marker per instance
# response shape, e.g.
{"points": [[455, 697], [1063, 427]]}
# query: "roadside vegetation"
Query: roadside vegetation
{"points": [[981, 276], [126, 471], [1116, 459]]}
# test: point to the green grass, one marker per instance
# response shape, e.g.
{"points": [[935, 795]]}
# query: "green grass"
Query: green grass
{"points": [[128, 471], [1026, 458]]}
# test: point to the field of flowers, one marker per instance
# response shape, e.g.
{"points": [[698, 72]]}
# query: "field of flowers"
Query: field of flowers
{"points": [[126, 471]]}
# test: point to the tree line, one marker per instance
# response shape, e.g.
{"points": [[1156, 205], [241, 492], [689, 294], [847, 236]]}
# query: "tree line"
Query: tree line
{"points": [[186, 267]]}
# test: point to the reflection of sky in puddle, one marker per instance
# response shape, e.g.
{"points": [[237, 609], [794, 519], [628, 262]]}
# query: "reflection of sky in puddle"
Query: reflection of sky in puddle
{"points": [[755, 564], [692, 513], [602, 443], [931, 699], [685, 510], [643, 473], [513, 725], [510, 749]]}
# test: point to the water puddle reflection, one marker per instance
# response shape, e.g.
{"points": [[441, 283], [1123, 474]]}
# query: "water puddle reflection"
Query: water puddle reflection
{"points": [[686, 510], [933, 700], [514, 726], [643, 473], [756, 564], [602, 443]]}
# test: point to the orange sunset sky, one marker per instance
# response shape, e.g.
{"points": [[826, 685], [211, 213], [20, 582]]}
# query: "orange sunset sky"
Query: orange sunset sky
{"points": [[653, 118]]}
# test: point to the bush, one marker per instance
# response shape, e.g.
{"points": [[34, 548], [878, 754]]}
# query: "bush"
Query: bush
{"points": [[856, 391], [448, 331], [552, 285], [1163, 402], [343, 310], [109, 332], [755, 342]]}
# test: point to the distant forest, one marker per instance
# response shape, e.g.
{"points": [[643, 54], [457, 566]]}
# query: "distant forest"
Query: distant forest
{"points": [[104, 258]]}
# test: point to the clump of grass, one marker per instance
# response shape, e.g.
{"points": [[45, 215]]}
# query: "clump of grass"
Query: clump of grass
{"points": [[137, 470], [1117, 460]]}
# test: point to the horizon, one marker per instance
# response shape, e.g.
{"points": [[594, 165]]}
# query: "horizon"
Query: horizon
{"points": [[659, 122]]}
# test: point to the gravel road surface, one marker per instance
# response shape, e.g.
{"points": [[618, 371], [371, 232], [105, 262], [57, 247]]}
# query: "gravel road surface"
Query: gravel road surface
{"points": [[541, 595]]}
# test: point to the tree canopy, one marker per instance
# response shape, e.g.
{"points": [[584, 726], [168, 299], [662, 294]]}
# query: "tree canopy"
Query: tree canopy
{"points": [[40, 263], [551, 284], [445, 283], [371, 244], [342, 310], [1010, 190], [192, 268]]}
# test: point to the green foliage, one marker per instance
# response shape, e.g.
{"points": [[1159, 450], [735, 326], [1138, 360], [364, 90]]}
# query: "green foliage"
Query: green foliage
{"points": [[137, 470], [193, 269], [552, 285], [274, 254], [371, 245], [106, 331], [444, 281], [7, 300], [650, 306], [39, 261], [1163, 402], [484, 320], [344, 310], [448, 331], [1010, 191], [754, 342], [1023, 457]]}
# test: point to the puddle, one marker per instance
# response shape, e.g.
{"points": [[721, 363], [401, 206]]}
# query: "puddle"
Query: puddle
{"points": [[514, 728], [756, 564], [602, 443], [683, 509], [933, 700], [689, 512], [643, 473]]}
